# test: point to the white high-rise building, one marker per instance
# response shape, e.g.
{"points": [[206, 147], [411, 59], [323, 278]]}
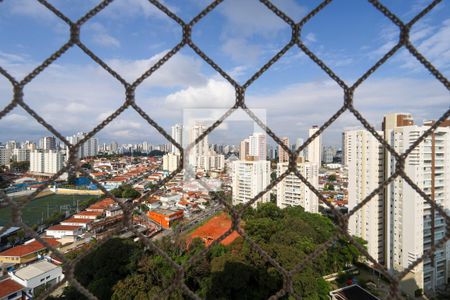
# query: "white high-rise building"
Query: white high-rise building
{"points": [[258, 146], [177, 135], [146, 147], [248, 179], [47, 143], [346, 154], [365, 174], [21, 155], [328, 154], [315, 147], [5, 156], [114, 148], [244, 149], [283, 156], [170, 162], [298, 143], [11, 145], [291, 191], [201, 148], [410, 216], [87, 149], [46, 161], [27, 145], [211, 161]]}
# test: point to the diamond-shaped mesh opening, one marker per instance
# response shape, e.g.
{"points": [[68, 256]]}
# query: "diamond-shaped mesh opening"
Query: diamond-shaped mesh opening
{"points": [[177, 284]]}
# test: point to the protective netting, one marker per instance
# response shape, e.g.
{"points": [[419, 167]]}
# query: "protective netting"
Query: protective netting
{"points": [[404, 41]]}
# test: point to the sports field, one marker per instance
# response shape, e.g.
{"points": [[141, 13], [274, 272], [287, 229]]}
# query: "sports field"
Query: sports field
{"points": [[39, 209]]}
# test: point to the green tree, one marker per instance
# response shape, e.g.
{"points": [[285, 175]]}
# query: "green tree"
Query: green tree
{"points": [[130, 193], [20, 166], [332, 177]]}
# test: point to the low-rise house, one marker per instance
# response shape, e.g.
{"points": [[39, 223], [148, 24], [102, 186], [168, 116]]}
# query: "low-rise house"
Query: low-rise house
{"points": [[77, 222], [114, 211], [37, 277], [186, 205], [169, 199], [10, 290], [27, 252], [61, 231], [101, 205], [352, 292], [165, 217], [153, 203], [92, 215]]}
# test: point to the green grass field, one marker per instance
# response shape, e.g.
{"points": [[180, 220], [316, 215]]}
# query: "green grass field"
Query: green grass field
{"points": [[39, 209]]}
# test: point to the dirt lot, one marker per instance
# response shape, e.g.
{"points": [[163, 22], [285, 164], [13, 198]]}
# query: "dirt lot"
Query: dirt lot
{"points": [[213, 229]]}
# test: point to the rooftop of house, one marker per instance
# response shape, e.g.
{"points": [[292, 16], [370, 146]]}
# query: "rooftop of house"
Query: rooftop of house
{"points": [[63, 228], [34, 270], [352, 292], [88, 213], [75, 220], [29, 248], [8, 287]]}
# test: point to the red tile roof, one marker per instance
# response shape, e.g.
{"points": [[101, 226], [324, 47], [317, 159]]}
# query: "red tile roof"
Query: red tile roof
{"points": [[8, 287], [89, 213], [26, 249], [75, 220], [63, 227], [102, 204]]}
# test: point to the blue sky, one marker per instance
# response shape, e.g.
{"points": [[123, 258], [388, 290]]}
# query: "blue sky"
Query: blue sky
{"points": [[75, 94]]}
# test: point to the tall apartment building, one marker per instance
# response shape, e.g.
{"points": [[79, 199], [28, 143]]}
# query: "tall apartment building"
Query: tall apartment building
{"points": [[298, 143], [406, 222], [170, 162], [87, 149], [28, 145], [5, 156], [258, 146], [250, 177], [211, 161], [328, 154], [365, 173], [46, 161], [315, 147], [20, 155], [114, 147], [177, 135], [47, 143], [410, 216], [201, 148], [283, 156], [244, 149], [346, 155], [11, 145], [292, 192]]}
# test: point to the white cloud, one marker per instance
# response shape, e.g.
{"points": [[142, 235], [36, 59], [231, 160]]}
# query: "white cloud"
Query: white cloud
{"points": [[250, 16], [433, 41], [133, 8], [310, 38], [216, 93], [14, 118], [180, 70], [241, 50], [30, 9], [100, 36]]}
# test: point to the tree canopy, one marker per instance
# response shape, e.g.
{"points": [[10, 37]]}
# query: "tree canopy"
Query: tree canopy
{"points": [[123, 270]]}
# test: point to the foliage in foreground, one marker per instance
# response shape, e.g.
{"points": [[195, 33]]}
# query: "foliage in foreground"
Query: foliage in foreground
{"points": [[123, 270]]}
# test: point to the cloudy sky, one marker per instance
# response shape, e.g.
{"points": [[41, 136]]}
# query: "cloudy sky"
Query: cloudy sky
{"points": [[74, 93]]}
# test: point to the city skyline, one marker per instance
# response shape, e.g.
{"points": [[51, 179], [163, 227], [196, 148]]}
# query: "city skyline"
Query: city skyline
{"points": [[79, 94]]}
